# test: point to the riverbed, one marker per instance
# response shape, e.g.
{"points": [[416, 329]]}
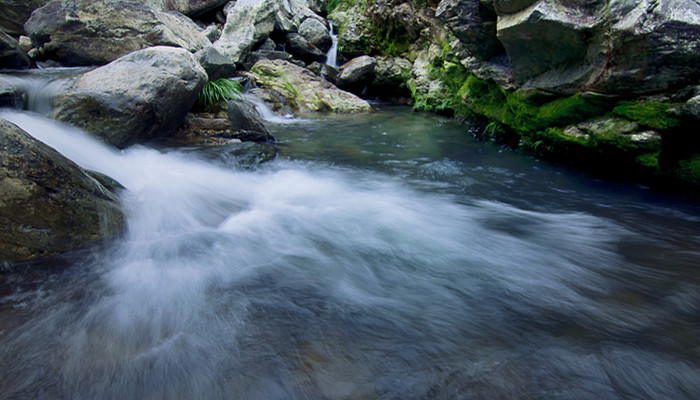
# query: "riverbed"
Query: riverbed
{"points": [[388, 255]]}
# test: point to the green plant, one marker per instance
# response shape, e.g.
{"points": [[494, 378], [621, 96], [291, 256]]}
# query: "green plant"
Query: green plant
{"points": [[221, 89]]}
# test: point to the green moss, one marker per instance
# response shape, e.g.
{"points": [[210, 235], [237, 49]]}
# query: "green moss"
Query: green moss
{"points": [[650, 114], [649, 160], [689, 169]]}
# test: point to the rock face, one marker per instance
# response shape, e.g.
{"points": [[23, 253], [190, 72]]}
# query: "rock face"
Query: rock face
{"points": [[48, 205], [191, 8], [249, 22], [84, 32], [316, 33], [609, 47], [247, 123], [14, 13], [473, 23], [11, 54], [304, 89], [143, 95]]}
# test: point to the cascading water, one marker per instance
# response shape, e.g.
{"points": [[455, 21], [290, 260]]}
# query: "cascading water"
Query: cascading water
{"points": [[384, 255], [332, 55]]}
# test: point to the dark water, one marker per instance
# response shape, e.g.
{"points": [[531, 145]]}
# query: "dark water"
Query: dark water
{"points": [[381, 256]]}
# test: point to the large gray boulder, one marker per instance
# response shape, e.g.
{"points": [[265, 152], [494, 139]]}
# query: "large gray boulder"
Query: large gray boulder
{"points": [[614, 47], [11, 54], [143, 95], [474, 23], [85, 32], [48, 205], [653, 46], [304, 89], [391, 75], [14, 13], [248, 23], [316, 33], [549, 39], [356, 73]]}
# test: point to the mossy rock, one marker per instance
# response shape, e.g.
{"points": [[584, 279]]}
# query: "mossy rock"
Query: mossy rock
{"points": [[49, 205]]}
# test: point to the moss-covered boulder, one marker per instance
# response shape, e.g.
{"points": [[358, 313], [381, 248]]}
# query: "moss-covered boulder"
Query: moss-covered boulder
{"points": [[303, 89], [48, 205], [84, 32], [143, 95]]}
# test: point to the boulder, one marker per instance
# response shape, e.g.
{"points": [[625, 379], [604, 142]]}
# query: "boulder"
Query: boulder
{"points": [[143, 95], [12, 56], [300, 48], [356, 73], [316, 33], [84, 32], [247, 124], [291, 14], [48, 205], [325, 71], [691, 108], [474, 24], [391, 75], [549, 40], [653, 47], [248, 23], [14, 13], [11, 94], [304, 89], [215, 64]]}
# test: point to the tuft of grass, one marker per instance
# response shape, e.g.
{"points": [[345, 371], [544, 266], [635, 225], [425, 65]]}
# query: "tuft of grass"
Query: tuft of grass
{"points": [[221, 89]]}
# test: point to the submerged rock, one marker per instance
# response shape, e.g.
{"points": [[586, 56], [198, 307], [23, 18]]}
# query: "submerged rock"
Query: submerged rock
{"points": [[143, 95], [48, 205], [304, 89], [84, 32]]}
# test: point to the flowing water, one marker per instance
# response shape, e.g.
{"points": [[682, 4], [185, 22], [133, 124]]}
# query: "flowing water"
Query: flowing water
{"points": [[377, 256], [332, 55]]}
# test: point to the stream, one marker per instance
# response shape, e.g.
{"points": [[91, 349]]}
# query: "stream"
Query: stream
{"points": [[387, 255]]}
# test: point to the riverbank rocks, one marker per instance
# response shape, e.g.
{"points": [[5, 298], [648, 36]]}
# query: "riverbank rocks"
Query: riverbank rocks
{"points": [[304, 89], [12, 56], [143, 95], [247, 124], [84, 32], [191, 8], [48, 205]]}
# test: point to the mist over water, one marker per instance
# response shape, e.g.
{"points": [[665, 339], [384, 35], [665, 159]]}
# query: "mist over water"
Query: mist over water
{"points": [[387, 255]]}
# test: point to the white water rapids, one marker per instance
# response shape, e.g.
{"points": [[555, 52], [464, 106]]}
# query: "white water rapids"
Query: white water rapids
{"points": [[304, 279]]}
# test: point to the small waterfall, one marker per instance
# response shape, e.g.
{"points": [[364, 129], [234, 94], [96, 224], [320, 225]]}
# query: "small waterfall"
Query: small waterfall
{"points": [[40, 87], [267, 114], [332, 55]]}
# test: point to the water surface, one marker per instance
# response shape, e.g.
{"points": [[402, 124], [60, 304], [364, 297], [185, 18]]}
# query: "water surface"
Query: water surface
{"points": [[379, 256]]}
